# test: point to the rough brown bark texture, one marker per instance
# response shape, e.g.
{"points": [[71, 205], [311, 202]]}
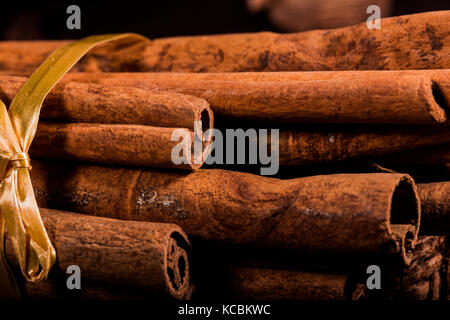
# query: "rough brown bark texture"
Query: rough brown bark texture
{"points": [[423, 279], [430, 156], [417, 41], [272, 284], [153, 256], [435, 201], [437, 75], [123, 144], [375, 213], [298, 97], [82, 102], [446, 269], [352, 143]]}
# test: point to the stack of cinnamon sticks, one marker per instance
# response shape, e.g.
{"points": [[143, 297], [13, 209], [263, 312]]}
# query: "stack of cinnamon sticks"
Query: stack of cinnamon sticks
{"points": [[348, 102]]}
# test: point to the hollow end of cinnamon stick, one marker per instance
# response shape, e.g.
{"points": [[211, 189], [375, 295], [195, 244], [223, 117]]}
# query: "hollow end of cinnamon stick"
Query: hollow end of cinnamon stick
{"points": [[206, 116], [403, 236], [176, 275], [203, 135], [176, 265], [437, 105], [404, 216]]}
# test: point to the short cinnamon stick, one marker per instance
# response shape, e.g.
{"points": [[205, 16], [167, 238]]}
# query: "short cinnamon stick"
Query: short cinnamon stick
{"points": [[332, 97], [435, 201], [153, 256], [82, 102], [331, 213], [123, 144], [418, 41]]}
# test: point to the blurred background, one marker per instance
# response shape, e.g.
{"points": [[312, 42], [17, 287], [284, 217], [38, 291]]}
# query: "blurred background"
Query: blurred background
{"points": [[40, 20]]}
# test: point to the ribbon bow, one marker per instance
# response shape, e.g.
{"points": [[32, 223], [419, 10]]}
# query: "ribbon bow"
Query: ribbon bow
{"points": [[19, 211]]}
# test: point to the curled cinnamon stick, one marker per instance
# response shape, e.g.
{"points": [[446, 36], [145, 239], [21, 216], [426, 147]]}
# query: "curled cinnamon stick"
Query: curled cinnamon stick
{"points": [[435, 201], [331, 213], [82, 102], [153, 256], [272, 284], [418, 41], [331, 97], [123, 144]]}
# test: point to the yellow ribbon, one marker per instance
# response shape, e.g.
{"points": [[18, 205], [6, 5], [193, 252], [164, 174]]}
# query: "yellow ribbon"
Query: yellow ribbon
{"points": [[18, 208]]}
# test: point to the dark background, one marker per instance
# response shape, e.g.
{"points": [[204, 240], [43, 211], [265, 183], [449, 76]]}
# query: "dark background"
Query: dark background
{"points": [[162, 18]]}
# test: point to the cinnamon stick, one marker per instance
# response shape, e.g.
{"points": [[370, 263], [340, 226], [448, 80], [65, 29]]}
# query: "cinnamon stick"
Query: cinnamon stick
{"points": [[82, 102], [153, 256], [123, 144], [332, 97], [351, 143], [418, 41], [272, 284], [375, 213], [435, 201], [365, 96]]}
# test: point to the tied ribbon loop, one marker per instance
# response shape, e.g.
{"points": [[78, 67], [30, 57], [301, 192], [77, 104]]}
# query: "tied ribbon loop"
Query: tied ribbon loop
{"points": [[20, 160], [19, 212]]}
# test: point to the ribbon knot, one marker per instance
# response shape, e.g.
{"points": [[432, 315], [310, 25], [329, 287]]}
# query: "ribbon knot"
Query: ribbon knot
{"points": [[19, 211], [20, 160]]}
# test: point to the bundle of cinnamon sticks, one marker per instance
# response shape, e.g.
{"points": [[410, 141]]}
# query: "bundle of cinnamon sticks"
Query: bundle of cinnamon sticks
{"points": [[361, 140]]}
